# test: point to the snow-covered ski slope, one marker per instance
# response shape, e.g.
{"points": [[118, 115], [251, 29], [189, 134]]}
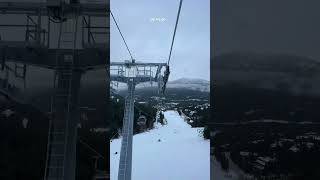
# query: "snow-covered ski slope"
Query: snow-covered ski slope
{"points": [[181, 154]]}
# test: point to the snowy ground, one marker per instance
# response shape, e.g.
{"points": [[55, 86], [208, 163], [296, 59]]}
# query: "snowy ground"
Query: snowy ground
{"points": [[182, 154]]}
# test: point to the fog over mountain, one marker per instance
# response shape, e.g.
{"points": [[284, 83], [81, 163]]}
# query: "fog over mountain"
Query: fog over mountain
{"points": [[182, 83], [190, 83], [281, 72]]}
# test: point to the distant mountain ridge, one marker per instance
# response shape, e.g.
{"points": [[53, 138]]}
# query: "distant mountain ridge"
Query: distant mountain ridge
{"points": [[282, 72], [267, 62], [253, 86], [182, 83], [190, 83]]}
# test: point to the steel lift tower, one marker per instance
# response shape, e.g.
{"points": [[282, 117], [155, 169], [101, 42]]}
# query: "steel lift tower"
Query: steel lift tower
{"points": [[67, 37], [133, 73]]}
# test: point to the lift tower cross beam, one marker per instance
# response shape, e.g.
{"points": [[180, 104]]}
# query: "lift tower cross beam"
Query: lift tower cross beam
{"points": [[133, 73], [66, 36]]}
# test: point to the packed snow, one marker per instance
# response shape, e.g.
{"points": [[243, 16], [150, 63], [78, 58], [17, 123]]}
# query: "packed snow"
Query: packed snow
{"points": [[181, 153]]}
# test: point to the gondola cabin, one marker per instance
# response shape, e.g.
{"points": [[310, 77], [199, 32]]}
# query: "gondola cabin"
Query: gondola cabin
{"points": [[142, 120], [142, 123]]}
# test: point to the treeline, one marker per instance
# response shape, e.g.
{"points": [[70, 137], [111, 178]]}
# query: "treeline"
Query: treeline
{"points": [[199, 119], [117, 111], [23, 149], [237, 103], [256, 139]]}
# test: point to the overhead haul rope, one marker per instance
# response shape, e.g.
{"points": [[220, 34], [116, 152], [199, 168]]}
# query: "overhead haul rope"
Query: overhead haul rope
{"points": [[175, 30], [167, 72], [121, 34]]}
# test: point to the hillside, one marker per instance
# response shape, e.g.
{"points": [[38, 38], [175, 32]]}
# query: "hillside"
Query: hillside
{"points": [[182, 83], [266, 120], [249, 86], [193, 84], [286, 73]]}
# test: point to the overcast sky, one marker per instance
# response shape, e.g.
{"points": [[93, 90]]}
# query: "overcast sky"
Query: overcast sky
{"points": [[150, 41], [276, 26]]}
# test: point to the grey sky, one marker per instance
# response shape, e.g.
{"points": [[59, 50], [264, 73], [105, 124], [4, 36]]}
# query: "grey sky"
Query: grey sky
{"points": [[150, 41], [276, 26]]}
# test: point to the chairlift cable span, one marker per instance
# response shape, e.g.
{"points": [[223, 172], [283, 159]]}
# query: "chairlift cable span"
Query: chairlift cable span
{"points": [[175, 30], [121, 34], [167, 71]]}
